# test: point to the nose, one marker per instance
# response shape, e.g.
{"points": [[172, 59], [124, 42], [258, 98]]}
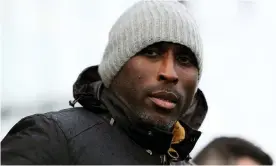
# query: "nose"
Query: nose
{"points": [[167, 71]]}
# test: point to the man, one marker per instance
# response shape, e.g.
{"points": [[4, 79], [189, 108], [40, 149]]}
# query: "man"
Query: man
{"points": [[141, 105], [232, 151]]}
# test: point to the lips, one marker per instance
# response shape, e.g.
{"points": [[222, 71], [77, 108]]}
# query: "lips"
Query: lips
{"points": [[164, 99]]}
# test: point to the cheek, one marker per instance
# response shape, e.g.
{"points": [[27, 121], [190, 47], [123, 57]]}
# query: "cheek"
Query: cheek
{"points": [[190, 74], [140, 72], [189, 79]]}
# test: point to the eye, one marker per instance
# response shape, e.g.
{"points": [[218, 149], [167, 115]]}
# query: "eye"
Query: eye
{"points": [[184, 60], [151, 53]]}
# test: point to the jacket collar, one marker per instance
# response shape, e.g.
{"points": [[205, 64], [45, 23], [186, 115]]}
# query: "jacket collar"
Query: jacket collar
{"points": [[89, 91]]}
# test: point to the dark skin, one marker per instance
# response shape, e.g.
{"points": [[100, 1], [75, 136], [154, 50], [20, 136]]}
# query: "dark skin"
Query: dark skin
{"points": [[164, 67]]}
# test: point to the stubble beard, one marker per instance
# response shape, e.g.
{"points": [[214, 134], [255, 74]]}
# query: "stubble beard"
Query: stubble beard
{"points": [[142, 117]]}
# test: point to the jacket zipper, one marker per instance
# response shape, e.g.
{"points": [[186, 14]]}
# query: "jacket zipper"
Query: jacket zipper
{"points": [[163, 159]]}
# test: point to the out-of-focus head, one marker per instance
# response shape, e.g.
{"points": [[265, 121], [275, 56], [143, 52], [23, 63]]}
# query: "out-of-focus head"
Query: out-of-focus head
{"points": [[232, 151]]}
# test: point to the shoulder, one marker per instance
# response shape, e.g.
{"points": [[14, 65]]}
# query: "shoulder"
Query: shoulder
{"points": [[73, 121], [70, 122], [35, 139], [44, 138]]}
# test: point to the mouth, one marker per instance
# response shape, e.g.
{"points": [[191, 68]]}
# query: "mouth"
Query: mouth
{"points": [[164, 99]]}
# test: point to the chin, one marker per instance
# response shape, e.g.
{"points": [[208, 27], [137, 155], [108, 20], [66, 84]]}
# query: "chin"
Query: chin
{"points": [[159, 121]]}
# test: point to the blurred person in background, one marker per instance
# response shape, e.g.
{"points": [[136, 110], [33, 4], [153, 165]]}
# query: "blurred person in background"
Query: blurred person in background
{"points": [[232, 151], [141, 105]]}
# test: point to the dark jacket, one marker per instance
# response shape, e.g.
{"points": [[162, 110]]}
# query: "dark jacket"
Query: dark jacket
{"points": [[97, 133]]}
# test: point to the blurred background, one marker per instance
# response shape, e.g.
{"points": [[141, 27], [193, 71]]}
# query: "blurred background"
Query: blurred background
{"points": [[46, 44]]}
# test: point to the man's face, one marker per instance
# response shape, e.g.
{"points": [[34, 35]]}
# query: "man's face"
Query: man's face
{"points": [[158, 84]]}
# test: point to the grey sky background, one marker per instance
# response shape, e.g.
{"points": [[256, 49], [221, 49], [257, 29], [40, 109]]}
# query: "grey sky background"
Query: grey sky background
{"points": [[46, 44]]}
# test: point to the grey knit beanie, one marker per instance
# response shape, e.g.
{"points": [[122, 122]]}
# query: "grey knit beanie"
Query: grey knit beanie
{"points": [[146, 23]]}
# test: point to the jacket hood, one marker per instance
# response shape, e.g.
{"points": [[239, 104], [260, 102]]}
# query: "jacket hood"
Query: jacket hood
{"points": [[86, 91]]}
